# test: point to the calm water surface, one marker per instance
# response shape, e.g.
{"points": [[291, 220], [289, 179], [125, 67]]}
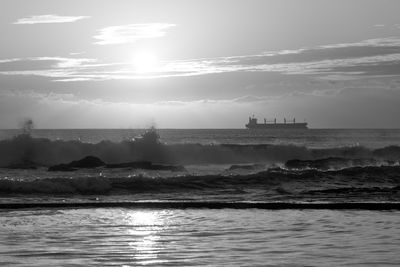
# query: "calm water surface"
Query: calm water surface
{"points": [[129, 237]]}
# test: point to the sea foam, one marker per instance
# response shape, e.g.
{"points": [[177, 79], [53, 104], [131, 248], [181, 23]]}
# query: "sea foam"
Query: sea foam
{"points": [[44, 152]]}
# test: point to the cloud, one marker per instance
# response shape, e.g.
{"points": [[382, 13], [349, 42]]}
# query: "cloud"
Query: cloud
{"points": [[8, 60], [49, 19], [333, 62], [62, 62], [55, 110], [376, 42], [76, 53], [36, 95], [73, 69], [251, 99], [131, 33], [69, 98], [241, 100], [57, 68], [322, 108]]}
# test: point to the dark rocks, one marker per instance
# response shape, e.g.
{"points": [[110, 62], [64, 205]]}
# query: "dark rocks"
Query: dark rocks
{"points": [[88, 162], [133, 165], [94, 162], [61, 168]]}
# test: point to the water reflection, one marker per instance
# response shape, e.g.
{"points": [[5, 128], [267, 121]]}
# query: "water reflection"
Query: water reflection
{"points": [[124, 237], [144, 230]]}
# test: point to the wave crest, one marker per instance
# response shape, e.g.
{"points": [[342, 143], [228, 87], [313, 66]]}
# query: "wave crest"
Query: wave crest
{"points": [[24, 149], [274, 180]]}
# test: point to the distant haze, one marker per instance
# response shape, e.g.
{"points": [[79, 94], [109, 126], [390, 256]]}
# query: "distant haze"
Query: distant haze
{"points": [[199, 64]]}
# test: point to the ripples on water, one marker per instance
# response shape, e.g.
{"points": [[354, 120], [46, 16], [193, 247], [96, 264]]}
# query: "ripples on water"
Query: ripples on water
{"points": [[129, 237]]}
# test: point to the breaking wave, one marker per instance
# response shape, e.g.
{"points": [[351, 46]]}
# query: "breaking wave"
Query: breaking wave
{"points": [[45, 152], [275, 181]]}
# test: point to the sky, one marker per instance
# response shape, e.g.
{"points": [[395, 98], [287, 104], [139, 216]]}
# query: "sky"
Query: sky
{"points": [[199, 64]]}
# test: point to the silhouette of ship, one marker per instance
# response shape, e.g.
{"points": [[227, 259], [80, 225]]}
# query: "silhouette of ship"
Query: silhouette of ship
{"points": [[290, 125]]}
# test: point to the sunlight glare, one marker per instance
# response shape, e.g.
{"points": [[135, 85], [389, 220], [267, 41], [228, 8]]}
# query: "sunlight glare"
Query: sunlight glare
{"points": [[145, 62]]}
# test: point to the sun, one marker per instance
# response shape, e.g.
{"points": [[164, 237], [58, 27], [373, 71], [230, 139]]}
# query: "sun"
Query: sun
{"points": [[145, 62]]}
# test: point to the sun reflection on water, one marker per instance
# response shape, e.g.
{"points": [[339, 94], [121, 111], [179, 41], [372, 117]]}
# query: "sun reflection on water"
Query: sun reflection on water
{"points": [[144, 231]]}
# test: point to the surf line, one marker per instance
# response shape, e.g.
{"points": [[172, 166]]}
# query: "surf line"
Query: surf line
{"points": [[206, 205]]}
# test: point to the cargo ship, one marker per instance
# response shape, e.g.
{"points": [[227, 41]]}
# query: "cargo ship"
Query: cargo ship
{"points": [[290, 125]]}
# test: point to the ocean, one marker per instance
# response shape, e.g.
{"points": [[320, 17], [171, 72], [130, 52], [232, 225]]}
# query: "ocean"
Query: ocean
{"points": [[206, 197]]}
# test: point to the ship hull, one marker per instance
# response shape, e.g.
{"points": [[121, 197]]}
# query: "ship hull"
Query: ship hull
{"points": [[278, 126]]}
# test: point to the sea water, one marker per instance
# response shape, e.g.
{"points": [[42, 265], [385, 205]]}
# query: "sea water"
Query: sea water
{"points": [[130, 237], [223, 166], [315, 138]]}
